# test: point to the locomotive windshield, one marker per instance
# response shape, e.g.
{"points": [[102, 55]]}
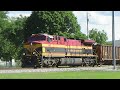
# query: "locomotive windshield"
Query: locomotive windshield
{"points": [[37, 38]]}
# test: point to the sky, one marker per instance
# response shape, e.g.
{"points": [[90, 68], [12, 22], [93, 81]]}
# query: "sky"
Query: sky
{"points": [[102, 20]]}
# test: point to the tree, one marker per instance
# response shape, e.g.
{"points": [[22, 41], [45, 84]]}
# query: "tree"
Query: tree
{"points": [[14, 34], [11, 38], [3, 26], [98, 36], [3, 20], [15, 30], [62, 23], [108, 43]]}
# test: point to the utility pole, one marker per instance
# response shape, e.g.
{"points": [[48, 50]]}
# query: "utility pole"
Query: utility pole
{"points": [[113, 41], [87, 26]]}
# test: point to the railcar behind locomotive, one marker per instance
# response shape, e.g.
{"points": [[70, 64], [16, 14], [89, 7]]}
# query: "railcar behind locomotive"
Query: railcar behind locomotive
{"points": [[104, 53], [43, 50]]}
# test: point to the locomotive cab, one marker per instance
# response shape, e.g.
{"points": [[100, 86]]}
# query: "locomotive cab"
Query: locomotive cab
{"points": [[34, 43], [33, 49]]}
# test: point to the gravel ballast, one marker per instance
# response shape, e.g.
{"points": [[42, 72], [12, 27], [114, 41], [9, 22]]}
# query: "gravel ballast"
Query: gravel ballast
{"points": [[104, 68]]}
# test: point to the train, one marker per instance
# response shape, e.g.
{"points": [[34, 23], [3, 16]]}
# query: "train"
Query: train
{"points": [[44, 50]]}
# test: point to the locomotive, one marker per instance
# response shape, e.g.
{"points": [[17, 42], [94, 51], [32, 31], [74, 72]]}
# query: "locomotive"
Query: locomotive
{"points": [[43, 50]]}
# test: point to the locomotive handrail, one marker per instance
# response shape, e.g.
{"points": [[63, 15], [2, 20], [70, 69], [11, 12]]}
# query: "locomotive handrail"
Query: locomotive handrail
{"points": [[37, 52]]}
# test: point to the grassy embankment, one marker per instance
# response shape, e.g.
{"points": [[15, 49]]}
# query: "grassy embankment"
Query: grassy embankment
{"points": [[64, 75]]}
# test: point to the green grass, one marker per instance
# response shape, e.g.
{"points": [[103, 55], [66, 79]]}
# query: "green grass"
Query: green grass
{"points": [[63, 75]]}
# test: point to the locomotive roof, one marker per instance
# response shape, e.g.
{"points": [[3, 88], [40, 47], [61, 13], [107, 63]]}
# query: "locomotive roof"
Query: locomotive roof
{"points": [[48, 35], [42, 34], [51, 36]]}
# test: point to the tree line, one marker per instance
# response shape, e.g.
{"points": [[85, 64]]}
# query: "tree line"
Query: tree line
{"points": [[14, 30]]}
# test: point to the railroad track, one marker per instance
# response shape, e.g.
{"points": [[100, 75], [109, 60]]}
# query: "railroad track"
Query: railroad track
{"points": [[26, 70]]}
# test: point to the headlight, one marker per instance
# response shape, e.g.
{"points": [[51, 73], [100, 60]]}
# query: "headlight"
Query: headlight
{"points": [[33, 52], [23, 53]]}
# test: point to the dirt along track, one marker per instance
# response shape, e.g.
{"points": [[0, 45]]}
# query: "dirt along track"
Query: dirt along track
{"points": [[60, 69]]}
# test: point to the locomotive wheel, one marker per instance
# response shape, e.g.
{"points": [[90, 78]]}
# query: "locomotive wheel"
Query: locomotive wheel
{"points": [[84, 65], [23, 66], [47, 66], [99, 64], [54, 65], [35, 66], [93, 65], [57, 66], [39, 66]]}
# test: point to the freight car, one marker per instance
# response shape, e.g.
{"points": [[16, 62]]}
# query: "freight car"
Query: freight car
{"points": [[104, 53], [43, 50]]}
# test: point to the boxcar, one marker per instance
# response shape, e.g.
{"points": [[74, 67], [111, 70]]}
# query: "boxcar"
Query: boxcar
{"points": [[104, 53]]}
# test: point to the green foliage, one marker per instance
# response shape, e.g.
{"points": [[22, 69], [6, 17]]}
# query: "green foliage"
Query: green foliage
{"points": [[16, 35], [108, 43], [3, 26], [62, 23], [98, 36], [11, 36], [3, 20]]}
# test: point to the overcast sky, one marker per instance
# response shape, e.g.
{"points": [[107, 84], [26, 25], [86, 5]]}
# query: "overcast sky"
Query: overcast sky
{"points": [[102, 20]]}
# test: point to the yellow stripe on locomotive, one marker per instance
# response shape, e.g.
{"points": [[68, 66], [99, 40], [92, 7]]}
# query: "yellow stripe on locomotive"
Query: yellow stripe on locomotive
{"points": [[59, 50], [43, 49]]}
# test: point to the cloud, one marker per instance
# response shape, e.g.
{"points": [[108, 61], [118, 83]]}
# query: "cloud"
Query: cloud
{"points": [[102, 20], [18, 13], [98, 19]]}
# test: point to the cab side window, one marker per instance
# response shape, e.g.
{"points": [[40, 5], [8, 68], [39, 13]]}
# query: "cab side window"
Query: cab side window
{"points": [[49, 39], [58, 38], [65, 39]]}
